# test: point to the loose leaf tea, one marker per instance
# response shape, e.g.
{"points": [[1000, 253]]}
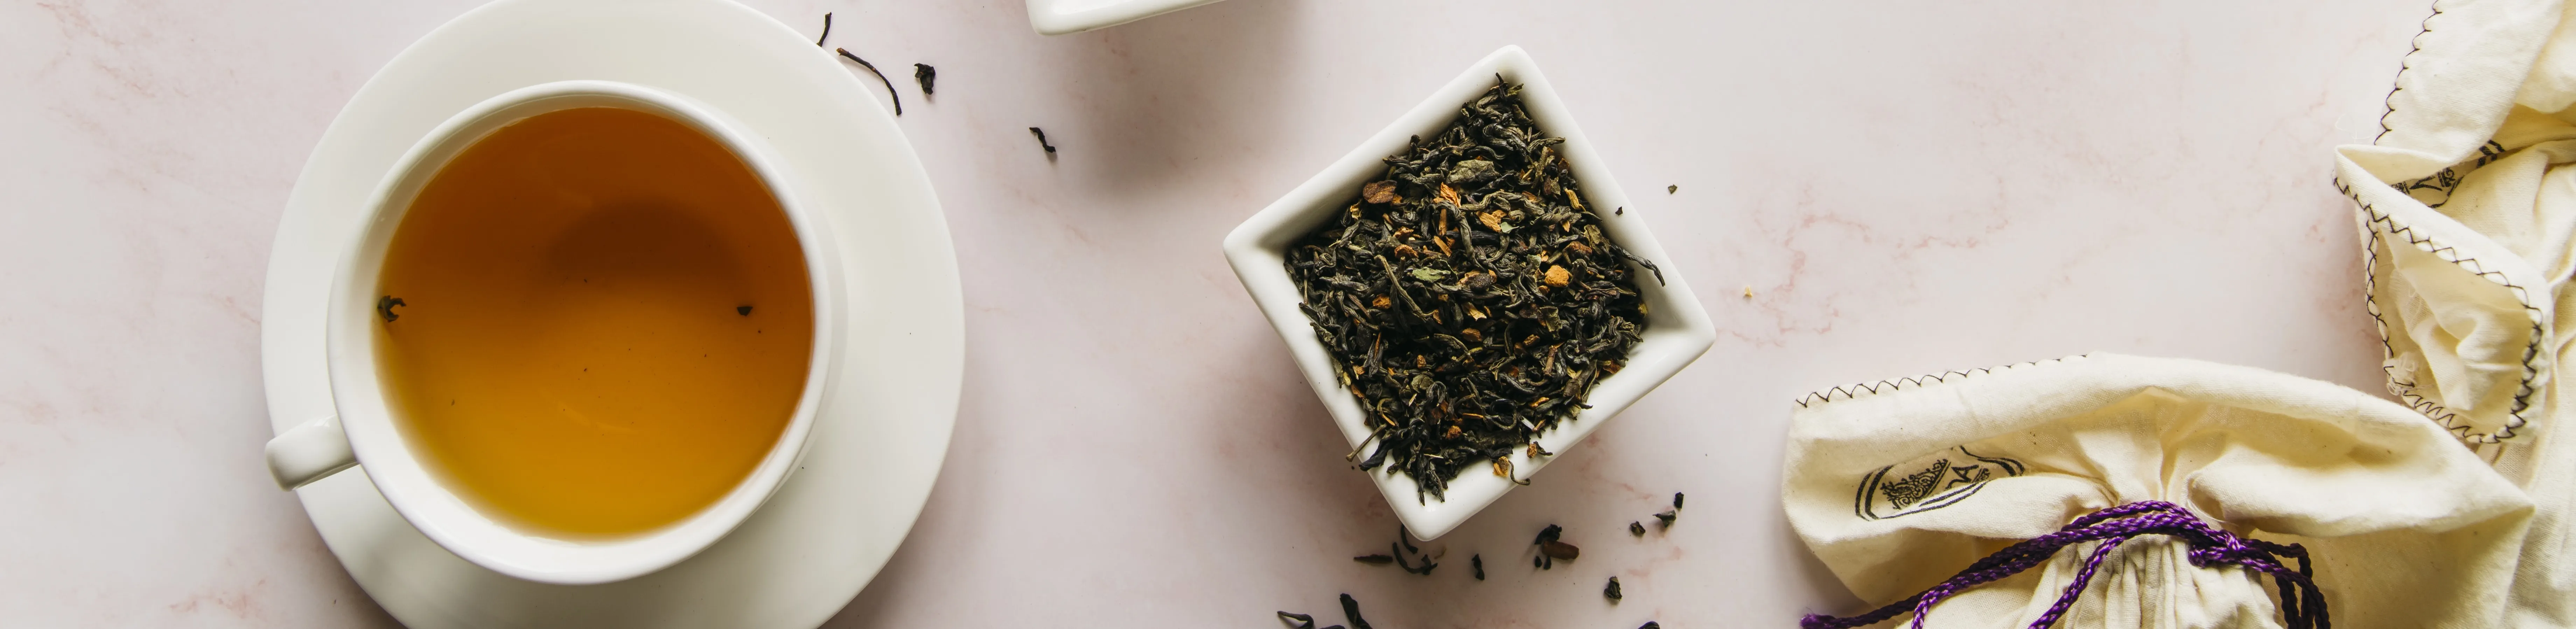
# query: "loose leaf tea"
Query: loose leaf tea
{"points": [[1424, 570], [827, 30], [1042, 141], [1351, 610], [1396, 553], [1667, 516], [1549, 534], [1612, 590], [1303, 621], [385, 307], [923, 73], [872, 69], [1637, 529], [1468, 295], [1550, 550], [1677, 500], [1478, 562], [1651, 625]]}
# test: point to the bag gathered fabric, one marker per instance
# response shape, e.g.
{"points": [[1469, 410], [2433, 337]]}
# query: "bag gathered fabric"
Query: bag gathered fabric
{"points": [[2467, 209], [2169, 493]]}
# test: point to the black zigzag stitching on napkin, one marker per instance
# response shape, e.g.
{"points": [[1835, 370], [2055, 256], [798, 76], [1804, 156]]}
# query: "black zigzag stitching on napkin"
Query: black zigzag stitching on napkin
{"points": [[2388, 104], [1850, 391], [2380, 224]]}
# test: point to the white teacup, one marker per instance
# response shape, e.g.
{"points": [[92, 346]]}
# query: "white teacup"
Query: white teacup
{"points": [[364, 431]]}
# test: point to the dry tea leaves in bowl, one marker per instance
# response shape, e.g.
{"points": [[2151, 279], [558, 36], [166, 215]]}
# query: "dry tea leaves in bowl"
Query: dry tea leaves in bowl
{"points": [[1468, 295]]}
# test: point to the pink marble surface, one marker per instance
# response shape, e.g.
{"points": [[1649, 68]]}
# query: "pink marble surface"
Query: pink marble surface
{"points": [[1904, 188]]}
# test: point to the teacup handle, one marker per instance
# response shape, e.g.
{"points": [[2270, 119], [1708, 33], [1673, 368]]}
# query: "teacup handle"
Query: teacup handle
{"points": [[309, 452]]}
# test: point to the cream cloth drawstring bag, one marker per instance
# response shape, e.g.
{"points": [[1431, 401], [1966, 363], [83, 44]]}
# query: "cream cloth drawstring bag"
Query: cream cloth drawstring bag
{"points": [[2467, 209], [1900, 485]]}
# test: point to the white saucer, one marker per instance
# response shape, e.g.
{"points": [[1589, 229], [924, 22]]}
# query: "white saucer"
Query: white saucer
{"points": [[878, 443]]}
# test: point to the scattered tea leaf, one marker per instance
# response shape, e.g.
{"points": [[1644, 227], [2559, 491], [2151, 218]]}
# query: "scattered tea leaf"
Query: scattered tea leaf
{"points": [[1667, 516], [1559, 551], [1636, 529], [1351, 610], [924, 74], [1651, 625], [1549, 534], [1672, 189], [1611, 590], [1677, 500], [742, 310], [1477, 562], [1042, 141], [827, 30], [881, 77], [1301, 621], [1374, 560]]}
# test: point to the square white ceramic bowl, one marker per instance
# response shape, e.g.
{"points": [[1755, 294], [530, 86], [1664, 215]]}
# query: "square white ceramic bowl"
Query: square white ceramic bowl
{"points": [[1677, 328], [1058, 17]]}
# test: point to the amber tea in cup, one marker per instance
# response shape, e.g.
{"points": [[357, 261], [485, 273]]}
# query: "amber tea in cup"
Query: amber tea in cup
{"points": [[596, 322]]}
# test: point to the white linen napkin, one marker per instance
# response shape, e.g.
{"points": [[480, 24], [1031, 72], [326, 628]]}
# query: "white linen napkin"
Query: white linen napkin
{"points": [[2468, 222]]}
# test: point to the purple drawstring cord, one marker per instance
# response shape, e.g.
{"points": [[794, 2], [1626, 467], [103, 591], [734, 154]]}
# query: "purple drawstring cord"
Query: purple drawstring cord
{"points": [[2210, 548]]}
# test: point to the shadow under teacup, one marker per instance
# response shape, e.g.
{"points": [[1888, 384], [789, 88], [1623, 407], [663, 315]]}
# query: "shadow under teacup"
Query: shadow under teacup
{"points": [[579, 335]]}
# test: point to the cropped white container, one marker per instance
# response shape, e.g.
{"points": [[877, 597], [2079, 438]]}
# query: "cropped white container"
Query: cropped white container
{"points": [[1677, 328], [1058, 17]]}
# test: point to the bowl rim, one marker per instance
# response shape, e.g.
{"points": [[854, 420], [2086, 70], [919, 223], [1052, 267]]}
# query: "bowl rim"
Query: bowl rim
{"points": [[1678, 329], [404, 477], [1048, 18]]}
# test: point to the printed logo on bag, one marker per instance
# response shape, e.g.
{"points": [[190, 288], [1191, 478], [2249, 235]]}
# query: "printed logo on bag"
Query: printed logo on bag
{"points": [[1938, 480]]}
